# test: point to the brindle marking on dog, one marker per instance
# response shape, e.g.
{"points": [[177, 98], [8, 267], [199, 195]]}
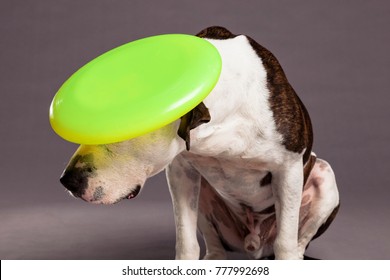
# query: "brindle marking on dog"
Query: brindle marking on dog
{"points": [[216, 32], [291, 117]]}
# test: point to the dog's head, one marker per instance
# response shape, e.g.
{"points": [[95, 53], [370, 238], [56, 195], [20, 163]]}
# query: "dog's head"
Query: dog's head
{"points": [[109, 173]]}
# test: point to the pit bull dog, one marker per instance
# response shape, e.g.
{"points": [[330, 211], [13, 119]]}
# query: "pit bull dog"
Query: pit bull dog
{"points": [[239, 165]]}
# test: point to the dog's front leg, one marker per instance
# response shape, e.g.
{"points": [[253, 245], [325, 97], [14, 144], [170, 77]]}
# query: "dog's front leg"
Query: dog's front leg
{"points": [[287, 189], [184, 185]]}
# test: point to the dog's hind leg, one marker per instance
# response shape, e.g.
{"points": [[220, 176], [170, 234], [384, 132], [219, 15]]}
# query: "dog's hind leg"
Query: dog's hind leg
{"points": [[320, 202]]}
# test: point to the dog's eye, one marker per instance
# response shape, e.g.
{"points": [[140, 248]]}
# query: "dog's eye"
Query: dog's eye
{"points": [[89, 169]]}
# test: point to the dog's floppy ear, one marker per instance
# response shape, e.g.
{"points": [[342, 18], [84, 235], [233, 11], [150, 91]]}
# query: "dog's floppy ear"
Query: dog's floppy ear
{"points": [[194, 118]]}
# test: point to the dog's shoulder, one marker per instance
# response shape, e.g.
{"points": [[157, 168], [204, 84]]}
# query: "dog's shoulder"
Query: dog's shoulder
{"points": [[290, 115]]}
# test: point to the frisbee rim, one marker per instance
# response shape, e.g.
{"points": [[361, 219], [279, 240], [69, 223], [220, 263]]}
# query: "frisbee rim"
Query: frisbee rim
{"points": [[122, 134]]}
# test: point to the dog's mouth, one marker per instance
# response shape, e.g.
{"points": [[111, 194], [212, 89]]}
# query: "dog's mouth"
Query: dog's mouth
{"points": [[134, 192]]}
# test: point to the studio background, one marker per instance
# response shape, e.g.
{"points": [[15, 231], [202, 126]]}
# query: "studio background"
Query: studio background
{"points": [[335, 54]]}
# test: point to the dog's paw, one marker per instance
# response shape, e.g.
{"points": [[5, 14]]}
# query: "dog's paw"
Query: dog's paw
{"points": [[284, 249]]}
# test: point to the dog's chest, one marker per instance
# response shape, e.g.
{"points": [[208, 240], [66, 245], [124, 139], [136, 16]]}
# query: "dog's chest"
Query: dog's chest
{"points": [[240, 186]]}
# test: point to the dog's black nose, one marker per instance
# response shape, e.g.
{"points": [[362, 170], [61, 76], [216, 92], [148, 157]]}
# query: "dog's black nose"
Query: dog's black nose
{"points": [[75, 180]]}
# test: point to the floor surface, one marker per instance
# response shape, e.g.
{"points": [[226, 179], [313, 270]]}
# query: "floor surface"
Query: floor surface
{"points": [[145, 230]]}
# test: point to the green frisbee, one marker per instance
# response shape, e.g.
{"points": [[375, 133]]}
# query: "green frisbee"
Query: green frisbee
{"points": [[135, 88]]}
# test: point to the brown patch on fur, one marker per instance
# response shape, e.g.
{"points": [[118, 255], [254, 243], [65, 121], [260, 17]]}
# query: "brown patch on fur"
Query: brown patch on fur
{"points": [[267, 179], [216, 32], [291, 117], [194, 118]]}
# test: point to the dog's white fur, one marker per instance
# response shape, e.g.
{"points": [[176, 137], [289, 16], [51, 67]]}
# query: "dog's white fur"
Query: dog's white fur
{"points": [[233, 152]]}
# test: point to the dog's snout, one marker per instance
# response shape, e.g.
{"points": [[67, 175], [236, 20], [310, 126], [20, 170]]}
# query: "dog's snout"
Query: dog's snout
{"points": [[75, 180]]}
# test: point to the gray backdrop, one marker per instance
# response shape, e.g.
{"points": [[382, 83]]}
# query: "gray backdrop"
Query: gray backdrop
{"points": [[335, 54]]}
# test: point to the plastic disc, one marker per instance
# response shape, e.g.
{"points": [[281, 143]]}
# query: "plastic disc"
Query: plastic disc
{"points": [[134, 89]]}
